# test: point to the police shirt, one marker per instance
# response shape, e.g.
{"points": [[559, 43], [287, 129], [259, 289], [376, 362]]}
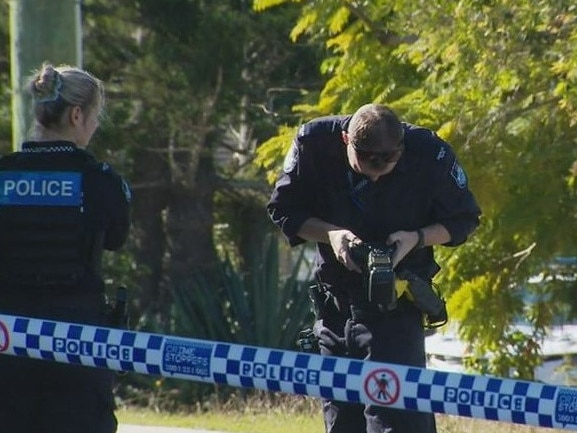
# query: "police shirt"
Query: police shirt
{"points": [[427, 186], [59, 208]]}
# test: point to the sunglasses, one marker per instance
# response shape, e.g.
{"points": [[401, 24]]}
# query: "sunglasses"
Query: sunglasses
{"points": [[380, 157]]}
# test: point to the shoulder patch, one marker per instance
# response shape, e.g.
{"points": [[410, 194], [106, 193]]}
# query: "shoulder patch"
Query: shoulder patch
{"points": [[104, 166], [291, 159], [459, 175]]}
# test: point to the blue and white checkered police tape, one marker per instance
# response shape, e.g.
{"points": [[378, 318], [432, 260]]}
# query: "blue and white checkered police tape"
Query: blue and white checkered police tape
{"points": [[390, 385]]}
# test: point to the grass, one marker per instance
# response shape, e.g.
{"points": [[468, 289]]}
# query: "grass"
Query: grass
{"points": [[288, 414]]}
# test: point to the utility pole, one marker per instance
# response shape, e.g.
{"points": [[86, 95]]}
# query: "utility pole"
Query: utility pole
{"points": [[40, 30]]}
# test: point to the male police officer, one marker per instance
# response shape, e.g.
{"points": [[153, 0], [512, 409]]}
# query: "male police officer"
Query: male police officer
{"points": [[361, 179]]}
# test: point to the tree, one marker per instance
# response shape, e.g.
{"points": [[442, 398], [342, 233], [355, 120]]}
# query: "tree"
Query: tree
{"points": [[193, 88], [496, 79]]}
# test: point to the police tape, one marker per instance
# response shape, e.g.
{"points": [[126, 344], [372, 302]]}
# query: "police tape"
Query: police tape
{"points": [[348, 380]]}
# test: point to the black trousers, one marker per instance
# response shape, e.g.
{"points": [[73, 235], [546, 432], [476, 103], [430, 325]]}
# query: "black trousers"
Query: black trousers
{"points": [[395, 337], [48, 397]]}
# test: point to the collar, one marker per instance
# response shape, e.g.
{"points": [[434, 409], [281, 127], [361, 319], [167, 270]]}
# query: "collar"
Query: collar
{"points": [[355, 178], [49, 146]]}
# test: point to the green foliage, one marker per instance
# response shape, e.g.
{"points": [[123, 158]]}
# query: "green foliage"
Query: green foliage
{"points": [[259, 308], [192, 88], [271, 152], [498, 82]]}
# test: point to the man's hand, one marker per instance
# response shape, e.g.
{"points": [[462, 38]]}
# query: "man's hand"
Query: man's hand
{"points": [[405, 243], [340, 241]]}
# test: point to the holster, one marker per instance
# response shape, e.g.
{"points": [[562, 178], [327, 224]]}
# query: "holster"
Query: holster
{"points": [[427, 299], [327, 311], [325, 304]]}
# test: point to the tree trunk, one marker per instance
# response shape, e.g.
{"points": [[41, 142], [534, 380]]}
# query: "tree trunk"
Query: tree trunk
{"points": [[149, 204], [189, 229]]}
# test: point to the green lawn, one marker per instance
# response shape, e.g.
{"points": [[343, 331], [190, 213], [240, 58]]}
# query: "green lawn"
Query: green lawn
{"points": [[289, 415]]}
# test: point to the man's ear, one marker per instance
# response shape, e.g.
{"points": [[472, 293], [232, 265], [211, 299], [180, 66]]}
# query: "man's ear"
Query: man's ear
{"points": [[345, 136], [75, 115]]}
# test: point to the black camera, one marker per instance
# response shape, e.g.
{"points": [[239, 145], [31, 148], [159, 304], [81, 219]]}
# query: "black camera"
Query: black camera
{"points": [[376, 262]]}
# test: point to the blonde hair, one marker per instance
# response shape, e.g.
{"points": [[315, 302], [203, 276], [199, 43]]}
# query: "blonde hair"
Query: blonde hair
{"points": [[55, 89]]}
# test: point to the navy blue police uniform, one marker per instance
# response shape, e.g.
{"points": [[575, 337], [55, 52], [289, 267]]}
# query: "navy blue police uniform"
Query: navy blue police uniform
{"points": [[59, 210], [427, 186]]}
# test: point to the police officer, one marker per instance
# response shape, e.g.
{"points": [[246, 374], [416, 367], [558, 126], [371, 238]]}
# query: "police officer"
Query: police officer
{"points": [[370, 178], [59, 209]]}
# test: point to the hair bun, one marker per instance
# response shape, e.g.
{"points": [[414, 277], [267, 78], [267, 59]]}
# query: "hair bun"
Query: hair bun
{"points": [[47, 84]]}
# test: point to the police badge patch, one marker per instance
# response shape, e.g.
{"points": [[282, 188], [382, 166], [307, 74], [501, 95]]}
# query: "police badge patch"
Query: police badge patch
{"points": [[459, 175], [291, 159]]}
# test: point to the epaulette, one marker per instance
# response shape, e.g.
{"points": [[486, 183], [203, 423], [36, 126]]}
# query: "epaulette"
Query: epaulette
{"points": [[323, 126]]}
